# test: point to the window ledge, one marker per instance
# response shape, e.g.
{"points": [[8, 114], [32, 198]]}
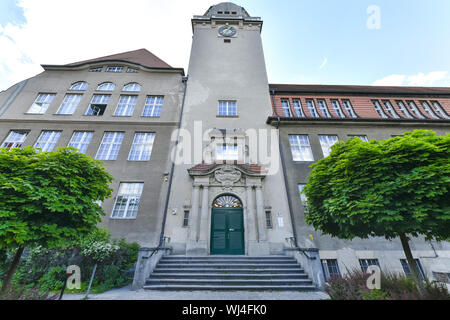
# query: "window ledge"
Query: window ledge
{"points": [[218, 116]]}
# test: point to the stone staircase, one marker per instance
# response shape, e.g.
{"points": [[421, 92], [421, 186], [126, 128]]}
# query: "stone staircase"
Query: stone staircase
{"points": [[228, 273]]}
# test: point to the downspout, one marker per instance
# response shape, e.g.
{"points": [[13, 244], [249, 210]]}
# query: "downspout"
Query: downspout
{"points": [[166, 206]]}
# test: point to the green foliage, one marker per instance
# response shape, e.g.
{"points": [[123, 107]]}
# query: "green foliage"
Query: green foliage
{"points": [[383, 188], [53, 280], [48, 198]]}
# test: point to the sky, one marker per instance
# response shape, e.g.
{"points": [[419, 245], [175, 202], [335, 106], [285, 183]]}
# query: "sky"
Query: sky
{"points": [[353, 42]]}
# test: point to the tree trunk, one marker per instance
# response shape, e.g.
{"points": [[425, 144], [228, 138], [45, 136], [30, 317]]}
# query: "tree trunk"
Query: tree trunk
{"points": [[12, 269], [412, 264]]}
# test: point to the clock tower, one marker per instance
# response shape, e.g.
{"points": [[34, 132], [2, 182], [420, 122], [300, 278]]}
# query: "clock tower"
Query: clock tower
{"points": [[228, 188]]}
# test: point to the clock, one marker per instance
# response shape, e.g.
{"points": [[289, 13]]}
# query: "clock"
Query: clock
{"points": [[227, 31]]}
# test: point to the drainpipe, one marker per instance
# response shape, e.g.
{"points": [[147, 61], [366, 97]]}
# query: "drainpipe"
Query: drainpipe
{"points": [[166, 206]]}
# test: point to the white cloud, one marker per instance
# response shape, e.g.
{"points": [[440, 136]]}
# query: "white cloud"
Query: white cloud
{"points": [[63, 31], [324, 63], [420, 79]]}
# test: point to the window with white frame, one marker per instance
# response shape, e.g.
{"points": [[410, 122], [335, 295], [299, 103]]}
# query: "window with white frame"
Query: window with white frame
{"points": [[227, 108], [153, 106], [98, 105], [390, 109], [226, 152], [114, 69], [132, 87], [365, 263], [362, 137], [301, 148], [110, 146], [312, 108], [41, 103], [47, 140], [437, 106], [379, 109], [407, 269], [69, 104], [330, 268], [79, 86], [80, 140], [132, 70], [302, 195], [403, 109], [286, 107], [337, 108], [97, 69], [298, 108], [142, 146], [127, 201], [15, 139], [349, 108], [415, 110], [186, 219], [269, 224], [324, 108], [107, 86], [327, 142], [126, 106], [428, 109]]}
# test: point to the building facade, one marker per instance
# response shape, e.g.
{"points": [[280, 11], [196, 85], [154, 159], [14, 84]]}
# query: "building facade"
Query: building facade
{"points": [[213, 163]]}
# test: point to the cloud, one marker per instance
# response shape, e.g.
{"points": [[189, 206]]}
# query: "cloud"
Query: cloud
{"points": [[324, 63], [63, 31], [420, 79]]}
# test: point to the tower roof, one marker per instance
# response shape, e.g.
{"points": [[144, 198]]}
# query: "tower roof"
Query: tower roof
{"points": [[226, 9]]}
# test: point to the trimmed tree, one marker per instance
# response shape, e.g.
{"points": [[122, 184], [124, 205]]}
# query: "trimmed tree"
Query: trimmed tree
{"points": [[48, 199], [396, 188]]}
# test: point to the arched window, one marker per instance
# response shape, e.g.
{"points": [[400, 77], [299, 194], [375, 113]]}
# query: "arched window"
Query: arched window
{"points": [[79, 86], [134, 87], [227, 202], [107, 86]]}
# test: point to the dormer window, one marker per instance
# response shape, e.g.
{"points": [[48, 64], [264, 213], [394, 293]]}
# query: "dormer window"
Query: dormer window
{"points": [[114, 69], [107, 86], [219, 12], [97, 69], [227, 12], [132, 87], [79, 86]]}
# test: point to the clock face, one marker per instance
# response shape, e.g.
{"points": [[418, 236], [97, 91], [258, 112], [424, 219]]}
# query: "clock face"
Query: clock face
{"points": [[227, 31]]}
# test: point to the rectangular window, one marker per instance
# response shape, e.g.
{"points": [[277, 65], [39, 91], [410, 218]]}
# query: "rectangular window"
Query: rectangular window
{"points": [[302, 195], [312, 109], [227, 153], [285, 105], [98, 105], [362, 137], [298, 108], [428, 109], [301, 148], [327, 142], [132, 70], [80, 140], [403, 109], [324, 108], [186, 219], [337, 108], [142, 146], [99, 69], [69, 104], [153, 106], [110, 146], [349, 109], [114, 69], [127, 202], [437, 106], [390, 109], [15, 139], [379, 109], [41, 103], [365, 263], [407, 269], [126, 105], [269, 224], [227, 109], [330, 268], [47, 140]]}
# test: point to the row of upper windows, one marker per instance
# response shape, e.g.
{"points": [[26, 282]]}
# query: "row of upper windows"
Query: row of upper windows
{"points": [[99, 102], [343, 108], [140, 150], [113, 69], [409, 109], [106, 86]]}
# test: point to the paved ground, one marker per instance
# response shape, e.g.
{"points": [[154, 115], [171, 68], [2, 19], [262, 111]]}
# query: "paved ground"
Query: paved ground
{"points": [[126, 294]]}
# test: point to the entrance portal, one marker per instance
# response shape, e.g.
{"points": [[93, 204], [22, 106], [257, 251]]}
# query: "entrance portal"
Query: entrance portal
{"points": [[227, 226]]}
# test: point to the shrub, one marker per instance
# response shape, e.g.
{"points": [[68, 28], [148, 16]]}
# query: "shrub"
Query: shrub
{"points": [[24, 293]]}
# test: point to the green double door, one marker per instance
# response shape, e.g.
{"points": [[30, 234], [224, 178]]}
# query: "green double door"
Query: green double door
{"points": [[227, 231]]}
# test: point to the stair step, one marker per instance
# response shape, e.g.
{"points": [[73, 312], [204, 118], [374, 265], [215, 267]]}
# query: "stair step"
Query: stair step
{"points": [[228, 266], [229, 275], [220, 281], [234, 288], [173, 261], [215, 270], [227, 258]]}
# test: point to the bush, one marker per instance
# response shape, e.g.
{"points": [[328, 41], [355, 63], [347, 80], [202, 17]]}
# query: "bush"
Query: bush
{"points": [[24, 293], [394, 286]]}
